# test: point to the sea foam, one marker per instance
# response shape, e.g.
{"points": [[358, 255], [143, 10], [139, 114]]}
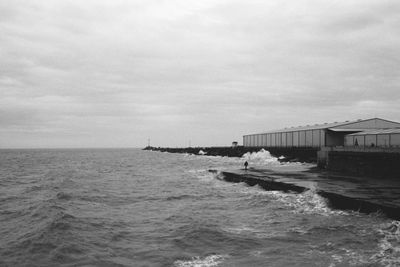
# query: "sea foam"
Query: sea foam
{"points": [[260, 158], [308, 202], [389, 246], [209, 261]]}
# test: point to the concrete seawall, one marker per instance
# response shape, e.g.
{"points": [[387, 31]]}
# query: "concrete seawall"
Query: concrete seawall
{"points": [[342, 192], [372, 162]]}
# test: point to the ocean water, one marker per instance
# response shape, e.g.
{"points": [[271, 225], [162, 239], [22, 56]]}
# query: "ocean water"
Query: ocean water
{"points": [[127, 207]]}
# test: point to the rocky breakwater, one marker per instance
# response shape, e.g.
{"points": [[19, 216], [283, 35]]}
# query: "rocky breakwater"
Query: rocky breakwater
{"points": [[209, 151], [284, 154]]}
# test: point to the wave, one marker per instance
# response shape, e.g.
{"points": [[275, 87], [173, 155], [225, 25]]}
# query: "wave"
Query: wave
{"points": [[247, 230], [63, 196], [44, 234], [261, 157], [308, 202], [389, 246], [7, 199], [211, 237], [51, 220], [63, 221], [34, 188], [347, 252], [209, 261], [180, 197]]}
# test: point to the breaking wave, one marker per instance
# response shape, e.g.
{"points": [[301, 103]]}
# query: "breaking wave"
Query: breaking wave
{"points": [[261, 157], [209, 261], [308, 202], [389, 253]]}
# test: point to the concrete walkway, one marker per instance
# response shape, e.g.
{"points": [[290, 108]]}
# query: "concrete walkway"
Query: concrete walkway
{"points": [[343, 192]]}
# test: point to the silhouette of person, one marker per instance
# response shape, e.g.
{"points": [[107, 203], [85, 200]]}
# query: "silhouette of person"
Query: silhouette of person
{"points": [[245, 165]]}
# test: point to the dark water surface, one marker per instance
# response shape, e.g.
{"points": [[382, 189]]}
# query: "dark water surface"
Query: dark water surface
{"points": [[127, 207]]}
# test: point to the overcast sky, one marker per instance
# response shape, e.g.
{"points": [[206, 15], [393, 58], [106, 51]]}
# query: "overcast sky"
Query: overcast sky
{"points": [[115, 73]]}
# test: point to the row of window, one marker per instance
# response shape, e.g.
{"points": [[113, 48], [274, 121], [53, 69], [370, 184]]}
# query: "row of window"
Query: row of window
{"points": [[309, 138], [382, 140]]}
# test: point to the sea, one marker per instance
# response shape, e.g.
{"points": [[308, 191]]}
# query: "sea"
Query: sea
{"points": [[129, 207]]}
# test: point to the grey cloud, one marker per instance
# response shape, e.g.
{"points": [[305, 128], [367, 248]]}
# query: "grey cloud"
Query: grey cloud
{"points": [[184, 68]]}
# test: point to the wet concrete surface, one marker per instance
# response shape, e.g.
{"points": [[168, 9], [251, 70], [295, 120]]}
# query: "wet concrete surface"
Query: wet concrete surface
{"points": [[343, 192]]}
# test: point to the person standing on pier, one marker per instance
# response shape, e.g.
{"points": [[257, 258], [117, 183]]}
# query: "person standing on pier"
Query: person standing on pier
{"points": [[245, 165]]}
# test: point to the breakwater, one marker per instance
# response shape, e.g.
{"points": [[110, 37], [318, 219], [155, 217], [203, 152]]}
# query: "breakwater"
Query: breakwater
{"points": [[288, 153], [371, 162]]}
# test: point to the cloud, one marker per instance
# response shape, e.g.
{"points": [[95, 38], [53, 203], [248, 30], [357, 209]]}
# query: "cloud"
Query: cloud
{"points": [[101, 73]]}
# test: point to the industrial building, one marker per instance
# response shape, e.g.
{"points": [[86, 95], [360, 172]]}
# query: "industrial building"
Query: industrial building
{"points": [[328, 134]]}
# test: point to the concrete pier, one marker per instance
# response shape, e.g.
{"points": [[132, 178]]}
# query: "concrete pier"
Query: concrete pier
{"points": [[343, 192]]}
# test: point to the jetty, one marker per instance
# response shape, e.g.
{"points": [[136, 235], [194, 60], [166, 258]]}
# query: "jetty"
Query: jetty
{"points": [[367, 195], [290, 154]]}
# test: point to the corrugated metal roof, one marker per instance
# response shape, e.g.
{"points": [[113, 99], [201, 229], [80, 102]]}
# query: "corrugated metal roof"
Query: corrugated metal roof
{"points": [[347, 130], [313, 127], [378, 131]]}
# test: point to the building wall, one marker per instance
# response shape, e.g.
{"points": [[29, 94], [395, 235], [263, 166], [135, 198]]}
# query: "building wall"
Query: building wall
{"points": [[360, 139], [334, 138], [302, 138], [380, 140], [349, 140], [289, 139], [296, 136], [370, 140], [278, 139], [316, 138], [309, 138], [383, 140], [283, 139], [395, 139]]}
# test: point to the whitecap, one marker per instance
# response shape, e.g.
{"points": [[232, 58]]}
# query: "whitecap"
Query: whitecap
{"points": [[261, 157], [308, 202], [389, 245], [246, 230], [209, 261]]}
